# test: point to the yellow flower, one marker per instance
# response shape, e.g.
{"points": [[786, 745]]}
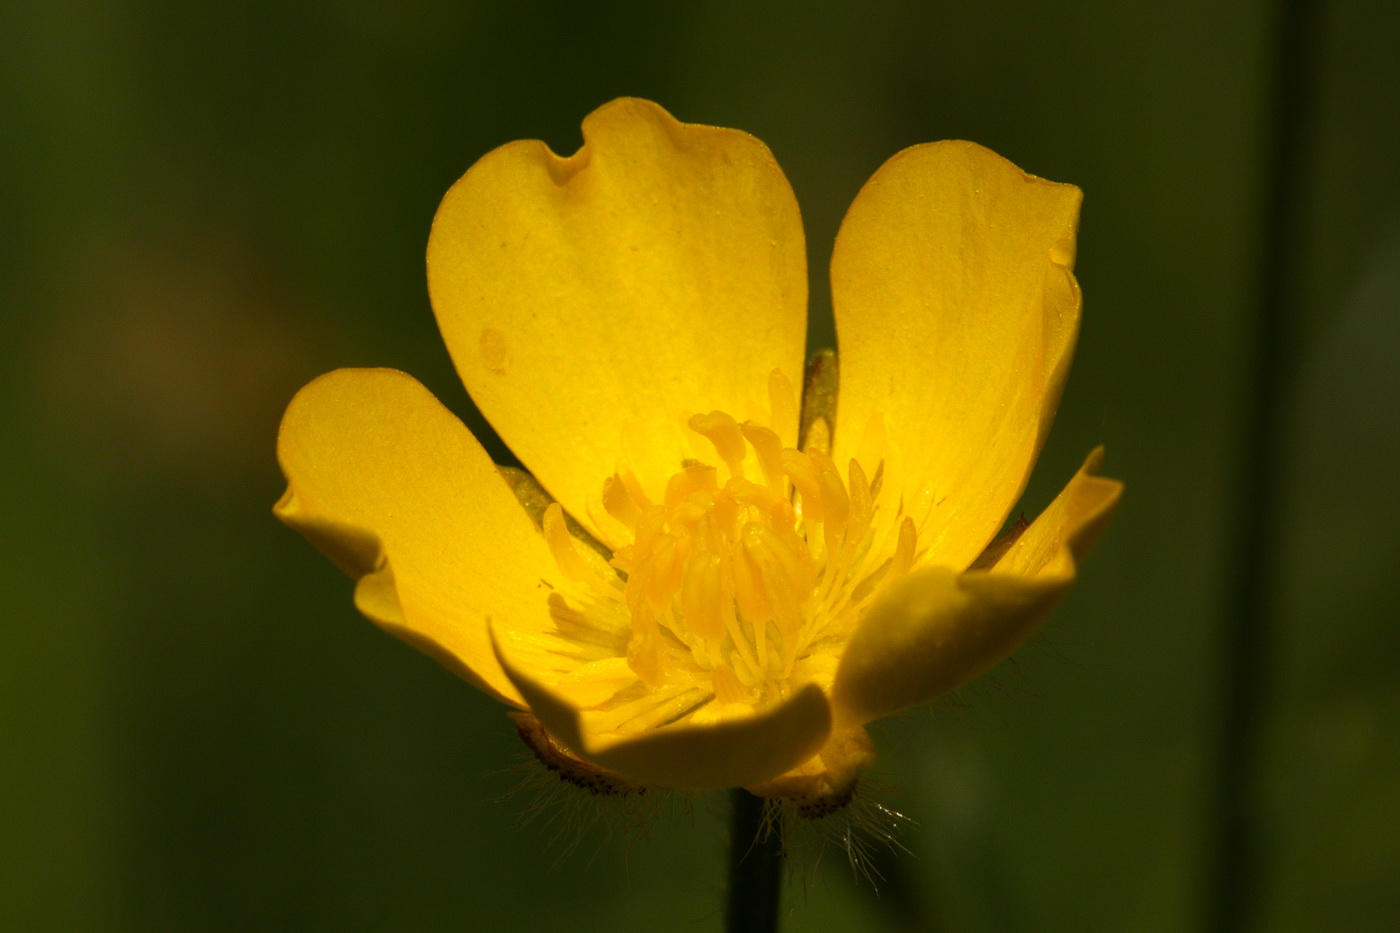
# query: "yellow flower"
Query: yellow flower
{"points": [[704, 603]]}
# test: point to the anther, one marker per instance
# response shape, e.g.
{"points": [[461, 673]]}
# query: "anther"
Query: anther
{"points": [[723, 432], [619, 502], [664, 581], [803, 474], [634, 489], [836, 505], [561, 545], [731, 583], [748, 586], [768, 447], [904, 551], [644, 649], [862, 504], [648, 527], [694, 477], [702, 592]]}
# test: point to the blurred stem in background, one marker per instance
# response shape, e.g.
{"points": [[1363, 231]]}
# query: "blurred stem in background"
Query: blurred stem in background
{"points": [[755, 865], [1239, 862]]}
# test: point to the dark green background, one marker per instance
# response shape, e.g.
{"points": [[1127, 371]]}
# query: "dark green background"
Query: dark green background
{"points": [[205, 205]]}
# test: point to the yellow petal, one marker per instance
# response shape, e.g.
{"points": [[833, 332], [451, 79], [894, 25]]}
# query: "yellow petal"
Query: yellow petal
{"points": [[391, 486], [935, 629], [1069, 526], [825, 782], [592, 302], [733, 753], [956, 314]]}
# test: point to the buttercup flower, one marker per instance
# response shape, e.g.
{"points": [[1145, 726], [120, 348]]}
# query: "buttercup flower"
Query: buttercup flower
{"points": [[710, 582]]}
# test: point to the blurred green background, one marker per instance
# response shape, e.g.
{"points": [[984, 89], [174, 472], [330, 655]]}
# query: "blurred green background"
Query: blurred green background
{"points": [[202, 206]]}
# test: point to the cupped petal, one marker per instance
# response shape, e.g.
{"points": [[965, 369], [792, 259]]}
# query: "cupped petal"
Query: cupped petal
{"points": [[935, 629], [956, 315], [393, 487], [592, 302], [732, 753]]}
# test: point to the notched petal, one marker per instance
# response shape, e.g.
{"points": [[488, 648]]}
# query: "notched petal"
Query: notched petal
{"points": [[590, 300]]}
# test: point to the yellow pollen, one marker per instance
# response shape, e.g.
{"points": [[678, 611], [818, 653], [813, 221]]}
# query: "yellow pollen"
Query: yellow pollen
{"points": [[729, 586]]}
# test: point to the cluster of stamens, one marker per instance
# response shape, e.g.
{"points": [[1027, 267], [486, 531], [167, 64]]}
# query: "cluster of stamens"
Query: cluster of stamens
{"points": [[733, 580]]}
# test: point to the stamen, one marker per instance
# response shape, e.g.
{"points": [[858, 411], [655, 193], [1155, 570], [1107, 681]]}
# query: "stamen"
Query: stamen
{"points": [[743, 657], [904, 551], [803, 474], [727, 686], [771, 555], [561, 545], [862, 505], [618, 502], [724, 515], [769, 449], [730, 588], [836, 505], [665, 702], [648, 527], [748, 590], [702, 592], [695, 477], [644, 649], [723, 432], [634, 489], [747, 493], [665, 576], [780, 576]]}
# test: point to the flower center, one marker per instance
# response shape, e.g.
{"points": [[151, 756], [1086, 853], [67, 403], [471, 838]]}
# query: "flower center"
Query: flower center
{"points": [[741, 575]]}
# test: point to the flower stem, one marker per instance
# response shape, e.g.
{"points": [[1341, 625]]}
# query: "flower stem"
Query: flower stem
{"points": [[1238, 866], [755, 866]]}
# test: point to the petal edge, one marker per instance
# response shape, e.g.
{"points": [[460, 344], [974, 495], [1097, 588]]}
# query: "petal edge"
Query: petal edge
{"points": [[956, 315], [936, 629], [658, 237], [395, 490], [713, 757]]}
